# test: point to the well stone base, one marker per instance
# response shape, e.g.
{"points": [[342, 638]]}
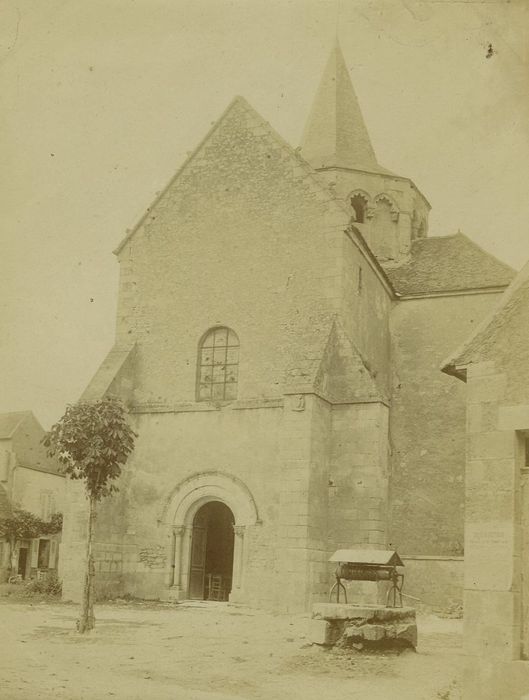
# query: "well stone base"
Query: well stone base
{"points": [[367, 626]]}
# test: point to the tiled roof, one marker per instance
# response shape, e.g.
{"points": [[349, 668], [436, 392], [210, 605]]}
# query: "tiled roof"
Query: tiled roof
{"points": [[9, 422], [448, 263]]}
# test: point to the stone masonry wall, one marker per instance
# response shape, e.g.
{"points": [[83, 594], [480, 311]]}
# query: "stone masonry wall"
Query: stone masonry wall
{"points": [[496, 538], [358, 477], [427, 423], [246, 238]]}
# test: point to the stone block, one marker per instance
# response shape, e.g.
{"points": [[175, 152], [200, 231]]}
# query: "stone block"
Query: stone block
{"points": [[513, 417], [492, 445], [501, 680], [485, 389], [373, 633], [319, 632]]}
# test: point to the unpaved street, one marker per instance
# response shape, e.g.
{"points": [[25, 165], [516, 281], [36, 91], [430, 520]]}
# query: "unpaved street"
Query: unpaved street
{"points": [[207, 651]]}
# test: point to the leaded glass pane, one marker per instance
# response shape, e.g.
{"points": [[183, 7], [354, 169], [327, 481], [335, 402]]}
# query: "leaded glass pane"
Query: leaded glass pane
{"points": [[206, 357], [209, 340], [217, 391], [221, 337], [204, 392], [220, 356], [232, 356], [230, 392], [231, 373], [219, 374], [218, 366]]}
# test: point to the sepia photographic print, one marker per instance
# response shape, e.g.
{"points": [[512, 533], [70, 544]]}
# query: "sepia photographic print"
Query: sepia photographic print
{"points": [[264, 338]]}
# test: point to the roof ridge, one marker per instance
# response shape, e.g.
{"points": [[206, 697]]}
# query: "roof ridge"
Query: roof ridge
{"points": [[311, 174], [245, 104], [179, 171], [484, 250], [21, 415]]}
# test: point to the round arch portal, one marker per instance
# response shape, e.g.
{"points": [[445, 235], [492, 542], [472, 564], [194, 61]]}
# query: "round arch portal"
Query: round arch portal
{"points": [[179, 514]]}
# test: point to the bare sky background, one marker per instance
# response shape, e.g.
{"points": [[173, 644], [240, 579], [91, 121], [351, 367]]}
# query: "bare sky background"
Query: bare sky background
{"points": [[102, 101]]}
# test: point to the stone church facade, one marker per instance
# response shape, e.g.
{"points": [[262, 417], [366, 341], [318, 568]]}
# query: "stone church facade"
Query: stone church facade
{"points": [[282, 317]]}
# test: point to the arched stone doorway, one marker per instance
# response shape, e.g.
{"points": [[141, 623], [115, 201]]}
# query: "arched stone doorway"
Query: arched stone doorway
{"points": [[178, 516], [211, 560]]}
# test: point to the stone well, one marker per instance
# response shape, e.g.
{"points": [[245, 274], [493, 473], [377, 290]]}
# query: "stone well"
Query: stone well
{"points": [[371, 626]]}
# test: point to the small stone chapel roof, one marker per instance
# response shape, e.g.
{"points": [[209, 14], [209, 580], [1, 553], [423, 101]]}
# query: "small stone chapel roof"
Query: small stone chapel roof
{"points": [[448, 263], [505, 330]]}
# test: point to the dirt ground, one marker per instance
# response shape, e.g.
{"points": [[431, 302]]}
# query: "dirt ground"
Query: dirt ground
{"points": [[208, 651]]}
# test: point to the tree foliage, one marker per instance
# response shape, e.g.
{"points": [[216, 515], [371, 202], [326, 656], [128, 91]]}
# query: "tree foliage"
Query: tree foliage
{"points": [[92, 442], [23, 525]]}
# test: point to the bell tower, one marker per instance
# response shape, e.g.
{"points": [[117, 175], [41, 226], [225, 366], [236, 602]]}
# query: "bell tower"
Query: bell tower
{"points": [[388, 209]]}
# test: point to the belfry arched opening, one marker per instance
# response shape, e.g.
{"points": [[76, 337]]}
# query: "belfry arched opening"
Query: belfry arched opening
{"points": [[211, 565]]}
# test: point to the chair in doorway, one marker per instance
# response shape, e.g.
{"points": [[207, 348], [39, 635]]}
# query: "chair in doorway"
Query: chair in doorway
{"points": [[216, 588]]}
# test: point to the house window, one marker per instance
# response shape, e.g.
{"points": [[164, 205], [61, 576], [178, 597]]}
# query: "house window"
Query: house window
{"points": [[43, 560], [218, 365], [47, 504]]}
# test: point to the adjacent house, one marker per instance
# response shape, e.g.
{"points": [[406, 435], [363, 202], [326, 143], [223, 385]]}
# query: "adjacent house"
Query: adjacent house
{"points": [[494, 363], [31, 481]]}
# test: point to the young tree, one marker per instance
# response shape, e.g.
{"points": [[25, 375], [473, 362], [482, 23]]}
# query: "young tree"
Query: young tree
{"points": [[92, 441], [22, 525]]}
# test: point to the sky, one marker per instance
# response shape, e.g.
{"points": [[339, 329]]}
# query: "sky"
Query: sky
{"points": [[103, 101]]}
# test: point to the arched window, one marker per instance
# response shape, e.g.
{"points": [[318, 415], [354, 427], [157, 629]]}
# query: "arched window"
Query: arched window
{"points": [[218, 365], [359, 204]]}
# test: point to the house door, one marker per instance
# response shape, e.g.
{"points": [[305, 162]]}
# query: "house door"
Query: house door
{"points": [[211, 566], [198, 556], [22, 561]]}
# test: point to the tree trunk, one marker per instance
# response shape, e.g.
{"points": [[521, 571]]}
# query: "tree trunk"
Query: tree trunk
{"points": [[87, 620]]}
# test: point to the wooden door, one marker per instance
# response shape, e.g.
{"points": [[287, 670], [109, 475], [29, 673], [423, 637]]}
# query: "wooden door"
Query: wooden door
{"points": [[198, 557]]}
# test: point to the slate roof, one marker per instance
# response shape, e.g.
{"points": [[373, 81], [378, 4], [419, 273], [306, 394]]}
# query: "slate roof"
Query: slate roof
{"points": [[9, 422], [335, 134], [506, 328], [448, 263], [107, 372]]}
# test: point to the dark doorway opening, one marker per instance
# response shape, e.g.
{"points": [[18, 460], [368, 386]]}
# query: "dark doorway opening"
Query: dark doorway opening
{"points": [[211, 568], [22, 561]]}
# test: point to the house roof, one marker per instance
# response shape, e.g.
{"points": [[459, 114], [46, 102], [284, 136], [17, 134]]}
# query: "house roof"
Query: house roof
{"points": [[335, 134], [507, 325], [26, 431], [9, 422], [448, 263]]}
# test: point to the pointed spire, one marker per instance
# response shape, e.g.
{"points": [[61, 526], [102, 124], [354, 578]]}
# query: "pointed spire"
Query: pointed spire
{"points": [[335, 133]]}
